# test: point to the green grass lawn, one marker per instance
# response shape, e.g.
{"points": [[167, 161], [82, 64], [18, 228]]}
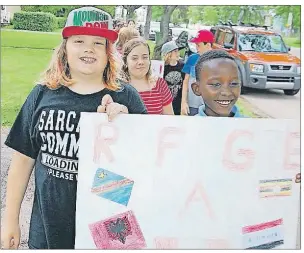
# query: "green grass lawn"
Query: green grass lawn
{"points": [[20, 69], [292, 42], [29, 39]]}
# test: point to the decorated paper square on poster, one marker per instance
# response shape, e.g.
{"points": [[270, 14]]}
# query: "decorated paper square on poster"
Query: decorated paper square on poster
{"points": [[118, 232], [112, 186], [265, 235]]}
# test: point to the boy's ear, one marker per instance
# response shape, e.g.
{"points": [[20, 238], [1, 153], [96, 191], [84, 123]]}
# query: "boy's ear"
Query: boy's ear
{"points": [[195, 88]]}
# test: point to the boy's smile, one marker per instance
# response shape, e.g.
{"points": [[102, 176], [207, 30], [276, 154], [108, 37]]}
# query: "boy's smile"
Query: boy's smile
{"points": [[88, 60], [219, 86]]}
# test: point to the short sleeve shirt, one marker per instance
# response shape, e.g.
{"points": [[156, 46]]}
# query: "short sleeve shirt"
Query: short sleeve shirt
{"points": [[158, 97], [47, 130], [192, 60], [189, 68]]}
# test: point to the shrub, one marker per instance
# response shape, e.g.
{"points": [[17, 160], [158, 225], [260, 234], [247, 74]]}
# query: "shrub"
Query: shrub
{"points": [[61, 22], [35, 21]]}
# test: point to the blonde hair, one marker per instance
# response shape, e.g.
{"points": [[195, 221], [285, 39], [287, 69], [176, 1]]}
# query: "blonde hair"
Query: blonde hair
{"points": [[167, 58], [128, 47], [125, 34], [58, 72]]}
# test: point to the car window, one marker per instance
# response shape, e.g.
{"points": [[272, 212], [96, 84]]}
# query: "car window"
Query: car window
{"points": [[220, 37], [229, 38], [213, 30], [261, 43]]}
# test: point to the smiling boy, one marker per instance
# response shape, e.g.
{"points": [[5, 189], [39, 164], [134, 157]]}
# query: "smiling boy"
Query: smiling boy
{"points": [[218, 82]]}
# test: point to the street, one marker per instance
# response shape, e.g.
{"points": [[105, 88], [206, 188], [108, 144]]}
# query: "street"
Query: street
{"points": [[274, 102]]}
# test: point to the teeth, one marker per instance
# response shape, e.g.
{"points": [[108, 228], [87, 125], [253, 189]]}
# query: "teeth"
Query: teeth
{"points": [[88, 59], [224, 102]]}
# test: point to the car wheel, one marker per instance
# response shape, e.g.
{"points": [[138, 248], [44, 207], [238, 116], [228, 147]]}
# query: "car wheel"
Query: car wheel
{"points": [[291, 92], [244, 90]]}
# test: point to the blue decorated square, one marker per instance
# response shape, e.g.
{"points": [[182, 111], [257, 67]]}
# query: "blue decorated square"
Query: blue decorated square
{"points": [[112, 186]]}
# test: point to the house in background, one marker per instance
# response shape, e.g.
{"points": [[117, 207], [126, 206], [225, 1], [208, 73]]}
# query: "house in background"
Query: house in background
{"points": [[7, 13]]}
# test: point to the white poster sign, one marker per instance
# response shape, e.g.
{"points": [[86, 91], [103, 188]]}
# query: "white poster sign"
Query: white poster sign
{"points": [[168, 182], [158, 68]]}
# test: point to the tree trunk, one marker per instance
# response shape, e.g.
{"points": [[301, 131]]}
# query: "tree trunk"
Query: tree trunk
{"points": [[130, 9], [148, 21], [164, 30]]}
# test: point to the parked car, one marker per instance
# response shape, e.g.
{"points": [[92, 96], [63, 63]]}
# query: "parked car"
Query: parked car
{"points": [[262, 56]]}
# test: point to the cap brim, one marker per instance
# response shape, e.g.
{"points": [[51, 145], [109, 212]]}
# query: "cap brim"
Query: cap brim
{"points": [[194, 40], [93, 31], [167, 52]]}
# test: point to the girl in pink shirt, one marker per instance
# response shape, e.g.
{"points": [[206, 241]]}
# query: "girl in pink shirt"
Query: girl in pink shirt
{"points": [[136, 70]]}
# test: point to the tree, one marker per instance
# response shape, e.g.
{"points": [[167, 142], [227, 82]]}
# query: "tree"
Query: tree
{"points": [[179, 15], [164, 29], [58, 11], [210, 15], [130, 9], [64, 10], [157, 12], [107, 8], [148, 21], [195, 13], [183, 10], [284, 11], [246, 14]]}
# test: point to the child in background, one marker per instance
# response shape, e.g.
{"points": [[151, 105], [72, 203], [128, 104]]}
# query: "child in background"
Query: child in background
{"points": [[190, 103], [131, 23], [136, 70], [218, 82], [45, 134], [125, 34], [173, 73]]}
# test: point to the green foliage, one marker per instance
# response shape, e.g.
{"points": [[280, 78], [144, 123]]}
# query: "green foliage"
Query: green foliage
{"points": [[157, 12], [57, 10], [224, 13], [179, 15], [35, 21], [61, 22], [131, 10], [107, 8], [292, 42], [210, 15], [64, 10], [195, 13], [284, 10]]}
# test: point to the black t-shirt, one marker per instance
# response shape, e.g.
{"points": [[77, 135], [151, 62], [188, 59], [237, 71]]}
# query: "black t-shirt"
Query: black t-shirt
{"points": [[174, 77], [46, 129]]}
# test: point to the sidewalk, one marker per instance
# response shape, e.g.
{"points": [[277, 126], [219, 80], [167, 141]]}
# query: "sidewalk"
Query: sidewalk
{"points": [[26, 207]]}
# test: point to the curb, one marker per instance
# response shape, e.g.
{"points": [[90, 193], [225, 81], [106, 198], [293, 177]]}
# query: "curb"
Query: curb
{"points": [[254, 109]]}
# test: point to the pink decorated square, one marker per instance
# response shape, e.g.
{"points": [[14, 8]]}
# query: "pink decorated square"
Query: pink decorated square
{"points": [[118, 232]]}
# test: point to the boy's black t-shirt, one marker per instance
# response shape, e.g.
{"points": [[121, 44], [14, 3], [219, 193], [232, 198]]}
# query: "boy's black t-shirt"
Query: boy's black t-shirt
{"points": [[46, 129], [174, 77]]}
